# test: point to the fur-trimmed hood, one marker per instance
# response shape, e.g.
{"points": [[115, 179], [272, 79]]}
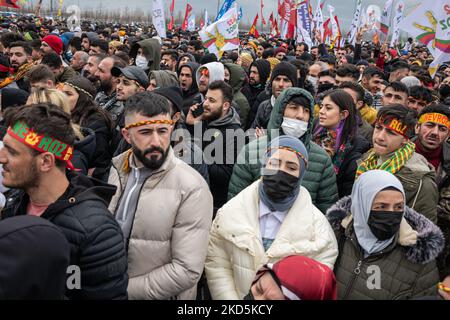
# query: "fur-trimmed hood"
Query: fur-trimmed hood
{"points": [[429, 241]]}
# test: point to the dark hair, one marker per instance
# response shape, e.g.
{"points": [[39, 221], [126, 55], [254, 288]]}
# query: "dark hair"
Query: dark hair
{"points": [[398, 86], [172, 53], [355, 87], [348, 70], [265, 45], [329, 73], [45, 119], [105, 33], [98, 56], [85, 108], [39, 73], [345, 102], [436, 108], [400, 65], [371, 72], [102, 44], [122, 56], [268, 53], [305, 46], [422, 93], [406, 115], [225, 88], [147, 104], [35, 44], [7, 38], [52, 59], [304, 69], [25, 45], [76, 43]]}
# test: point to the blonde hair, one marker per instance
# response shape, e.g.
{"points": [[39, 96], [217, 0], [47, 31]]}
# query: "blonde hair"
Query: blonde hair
{"points": [[56, 97]]}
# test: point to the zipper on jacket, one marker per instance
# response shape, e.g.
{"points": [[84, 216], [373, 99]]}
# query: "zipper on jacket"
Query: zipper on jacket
{"points": [[128, 198], [356, 272]]}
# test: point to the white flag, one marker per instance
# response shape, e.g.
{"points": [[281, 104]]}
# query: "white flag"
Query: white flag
{"points": [[191, 22], [385, 19], [206, 21], [397, 19], [355, 23], [158, 18], [318, 19], [334, 26]]}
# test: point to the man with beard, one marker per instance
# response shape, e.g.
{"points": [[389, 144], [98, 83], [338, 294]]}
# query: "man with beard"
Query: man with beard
{"points": [[222, 137], [186, 78], [91, 68], [106, 98], [37, 151], [79, 60], [163, 206], [259, 74], [21, 62]]}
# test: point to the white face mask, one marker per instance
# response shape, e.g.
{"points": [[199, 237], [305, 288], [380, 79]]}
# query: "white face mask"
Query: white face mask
{"points": [[141, 61], [293, 127], [313, 80]]}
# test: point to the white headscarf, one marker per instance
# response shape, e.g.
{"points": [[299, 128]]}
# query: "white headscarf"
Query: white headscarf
{"points": [[365, 189]]}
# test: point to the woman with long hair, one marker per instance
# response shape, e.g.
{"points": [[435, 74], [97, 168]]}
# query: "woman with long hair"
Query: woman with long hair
{"points": [[84, 111], [336, 132]]}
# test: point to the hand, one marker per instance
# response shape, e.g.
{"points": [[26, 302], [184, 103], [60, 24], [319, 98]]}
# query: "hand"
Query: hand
{"points": [[190, 119], [446, 283], [259, 132], [360, 34]]}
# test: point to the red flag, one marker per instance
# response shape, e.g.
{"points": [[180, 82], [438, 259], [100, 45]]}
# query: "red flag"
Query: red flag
{"points": [[262, 15], [327, 30], [253, 30], [9, 3], [271, 19], [172, 8], [186, 17]]}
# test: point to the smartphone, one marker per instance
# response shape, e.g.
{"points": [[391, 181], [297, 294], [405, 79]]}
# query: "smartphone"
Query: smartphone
{"points": [[199, 111]]}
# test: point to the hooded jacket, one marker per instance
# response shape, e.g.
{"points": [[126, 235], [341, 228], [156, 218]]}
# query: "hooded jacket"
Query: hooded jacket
{"points": [[263, 67], [95, 238], [236, 252], [191, 58], [216, 72], [407, 271], [84, 151], [319, 179], [152, 51], [164, 78], [237, 79], [33, 259], [192, 94]]}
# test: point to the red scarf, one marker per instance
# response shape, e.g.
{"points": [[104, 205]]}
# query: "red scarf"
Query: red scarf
{"points": [[434, 157]]}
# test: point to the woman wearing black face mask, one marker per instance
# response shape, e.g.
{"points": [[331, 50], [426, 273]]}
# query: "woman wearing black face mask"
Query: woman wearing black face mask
{"points": [[269, 220], [386, 250]]}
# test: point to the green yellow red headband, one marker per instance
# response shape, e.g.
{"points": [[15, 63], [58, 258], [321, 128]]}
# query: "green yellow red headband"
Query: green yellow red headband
{"points": [[435, 118], [62, 151], [394, 124]]}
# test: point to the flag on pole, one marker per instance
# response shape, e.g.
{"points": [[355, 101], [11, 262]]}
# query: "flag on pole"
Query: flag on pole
{"points": [[318, 20], [253, 30], [385, 19], [262, 14], [240, 14], [335, 32], [223, 34], [428, 24], [191, 22], [351, 36], [158, 18], [9, 3], [288, 16], [226, 6], [172, 22], [205, 22], [397, 19], [186, 17], [303, 24]]}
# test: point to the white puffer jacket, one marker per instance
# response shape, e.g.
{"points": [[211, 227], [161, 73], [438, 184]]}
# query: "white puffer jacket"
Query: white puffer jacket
{"points": [[235, 251]]}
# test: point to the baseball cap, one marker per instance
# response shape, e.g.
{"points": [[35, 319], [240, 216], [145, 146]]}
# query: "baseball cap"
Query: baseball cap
{"points": [[132, 73]]}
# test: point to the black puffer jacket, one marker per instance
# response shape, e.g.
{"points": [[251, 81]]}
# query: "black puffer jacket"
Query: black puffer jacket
{"points": [[95, 238], [192, 95], [83, 154]]}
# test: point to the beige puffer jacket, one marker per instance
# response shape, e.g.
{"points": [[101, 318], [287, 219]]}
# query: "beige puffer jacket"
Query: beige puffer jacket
{"points": [[236, 252], [169, 237]]}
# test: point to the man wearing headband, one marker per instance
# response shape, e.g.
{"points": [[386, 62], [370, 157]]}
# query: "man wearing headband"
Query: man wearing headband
{"points": [[163, 206], [393, 151], [38, 148]]}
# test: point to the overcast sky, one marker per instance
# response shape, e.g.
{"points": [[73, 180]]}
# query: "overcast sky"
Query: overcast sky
{"points": [[344, 8]]}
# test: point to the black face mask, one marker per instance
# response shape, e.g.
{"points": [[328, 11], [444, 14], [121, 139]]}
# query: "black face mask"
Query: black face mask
{"points": [[384, 224], [278, 184], [324, 87], [249, 296]]}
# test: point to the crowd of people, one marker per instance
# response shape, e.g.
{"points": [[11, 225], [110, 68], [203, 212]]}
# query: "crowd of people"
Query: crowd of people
{"points": [[275, 171]]}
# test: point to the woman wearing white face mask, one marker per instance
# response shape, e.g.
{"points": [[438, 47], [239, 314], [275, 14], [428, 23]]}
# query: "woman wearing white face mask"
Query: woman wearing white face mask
{"points": [[336, 132]]}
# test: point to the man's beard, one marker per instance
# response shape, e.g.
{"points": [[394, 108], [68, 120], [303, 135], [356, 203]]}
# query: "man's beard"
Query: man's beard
{"points": [[153, 163], [106, 86], [92, 78], [26, 179], [213, 115]]}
